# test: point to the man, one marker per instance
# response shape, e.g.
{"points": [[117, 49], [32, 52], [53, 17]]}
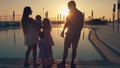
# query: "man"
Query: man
{"points": [[74, 25]]}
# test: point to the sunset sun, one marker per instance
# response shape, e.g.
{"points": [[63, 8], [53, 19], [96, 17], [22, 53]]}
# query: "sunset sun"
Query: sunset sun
{"points": [[65, 11]]}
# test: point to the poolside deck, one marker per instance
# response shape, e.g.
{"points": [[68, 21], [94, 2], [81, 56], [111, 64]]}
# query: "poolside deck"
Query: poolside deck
{"points": [[18, 63]]}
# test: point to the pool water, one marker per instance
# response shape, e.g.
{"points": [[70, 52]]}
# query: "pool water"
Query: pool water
{"points": [[12, 45]]}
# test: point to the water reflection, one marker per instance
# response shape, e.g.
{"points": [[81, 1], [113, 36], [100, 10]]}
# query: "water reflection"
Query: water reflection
{"points": [[12, 44], [83, 33], [14, 38]]}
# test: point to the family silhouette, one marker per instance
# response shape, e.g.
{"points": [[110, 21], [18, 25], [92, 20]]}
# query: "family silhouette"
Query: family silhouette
{"points": [[39, 32]]}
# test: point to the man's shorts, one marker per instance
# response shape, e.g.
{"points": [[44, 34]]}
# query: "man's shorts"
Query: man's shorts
{"points": [[71, 39]]}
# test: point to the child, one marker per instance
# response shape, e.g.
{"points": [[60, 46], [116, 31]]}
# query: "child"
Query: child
{"points": [[39, 22], [44, 52], [38, 19], [48, 37]]}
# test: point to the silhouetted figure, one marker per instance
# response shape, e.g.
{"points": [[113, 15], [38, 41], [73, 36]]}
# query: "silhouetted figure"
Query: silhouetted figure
{"points": [[39, 22], [49, 40], [74, 25], [30, 30], [44, 52]]}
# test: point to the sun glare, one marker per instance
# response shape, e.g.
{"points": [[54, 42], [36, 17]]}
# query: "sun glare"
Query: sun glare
{"points": [[65, 12]]}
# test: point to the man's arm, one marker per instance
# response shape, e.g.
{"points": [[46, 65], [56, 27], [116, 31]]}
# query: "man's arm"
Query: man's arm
{"points": [[65, 26]]}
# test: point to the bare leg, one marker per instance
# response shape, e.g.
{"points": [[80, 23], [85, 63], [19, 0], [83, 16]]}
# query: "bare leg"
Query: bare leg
{"points": [[73, 55], [67, 43], [51, 59], [74, 50], [35, 55], [51, 52], [34, 52], [27, 54], [65, 53]]}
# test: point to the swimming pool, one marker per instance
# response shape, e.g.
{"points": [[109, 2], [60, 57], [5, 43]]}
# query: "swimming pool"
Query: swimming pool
{"points": [[12, 45]]}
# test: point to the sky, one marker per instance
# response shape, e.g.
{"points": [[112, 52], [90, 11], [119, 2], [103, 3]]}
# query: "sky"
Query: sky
{"points": [[54, 7]]}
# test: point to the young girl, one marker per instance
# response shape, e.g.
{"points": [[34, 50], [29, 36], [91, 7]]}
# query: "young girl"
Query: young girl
{"points": [[44, 52], [48, 37]]}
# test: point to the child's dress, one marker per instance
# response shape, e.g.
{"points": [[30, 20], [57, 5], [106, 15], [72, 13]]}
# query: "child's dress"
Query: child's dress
{"points": [[44, 51], [49, 40], [48, 37]]}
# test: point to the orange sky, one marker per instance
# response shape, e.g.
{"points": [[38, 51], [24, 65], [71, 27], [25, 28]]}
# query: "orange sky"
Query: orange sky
{"points": [[54, 7]]}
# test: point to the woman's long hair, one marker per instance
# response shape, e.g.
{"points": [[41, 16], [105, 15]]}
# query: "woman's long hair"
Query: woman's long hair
{"points": [[26, 12]]}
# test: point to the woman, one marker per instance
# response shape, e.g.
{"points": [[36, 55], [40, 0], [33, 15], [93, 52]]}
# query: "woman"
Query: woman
{"points": [[30, 30]]}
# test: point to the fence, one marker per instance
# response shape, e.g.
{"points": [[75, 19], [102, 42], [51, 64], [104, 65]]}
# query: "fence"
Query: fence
{"points": [[10, 18]]}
